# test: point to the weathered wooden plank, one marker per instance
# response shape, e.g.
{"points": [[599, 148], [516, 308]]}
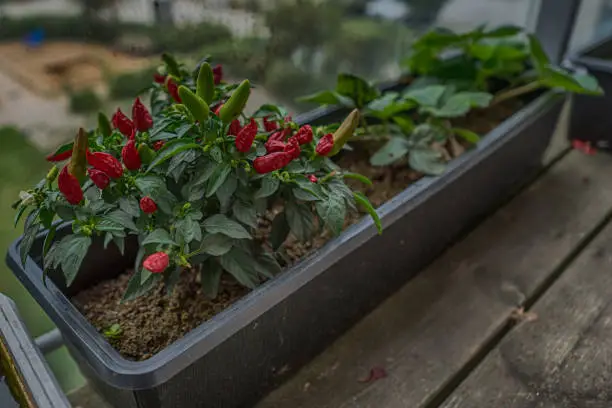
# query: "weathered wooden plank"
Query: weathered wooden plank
{"points": [[426, 333], [563, 359]]}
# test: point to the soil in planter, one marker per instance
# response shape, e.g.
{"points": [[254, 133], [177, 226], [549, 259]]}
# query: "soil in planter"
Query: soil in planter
{"points": [[151, 323]]}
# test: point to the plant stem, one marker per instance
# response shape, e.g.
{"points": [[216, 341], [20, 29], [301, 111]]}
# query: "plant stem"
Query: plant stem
{"points": [[515, 92], [364, 123]]}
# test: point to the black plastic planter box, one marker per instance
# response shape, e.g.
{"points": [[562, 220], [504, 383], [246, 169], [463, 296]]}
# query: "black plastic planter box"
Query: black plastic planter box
{"points": [[247, 350], [27, 371], [591, 116]]}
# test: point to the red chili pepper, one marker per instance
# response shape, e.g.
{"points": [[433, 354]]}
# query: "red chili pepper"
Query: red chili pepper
{"points": [[123, 123], [325, 145], [173, 91], [147, 205], [304, 135], [217, 109], [313, 178], [234, 128], [130, 156], [246, 137], [158, 145], [275, 146], [293, 147], [106, 163], [60, 156], [100, 179], [141, 116], [584, 147], [271, 162], [269, 126], [157, 262], [159, 78], [69, 186], [218, 74]]}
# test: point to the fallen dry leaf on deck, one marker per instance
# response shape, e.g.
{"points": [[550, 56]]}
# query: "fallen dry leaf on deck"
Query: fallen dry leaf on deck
{"points": [[376, 373]]}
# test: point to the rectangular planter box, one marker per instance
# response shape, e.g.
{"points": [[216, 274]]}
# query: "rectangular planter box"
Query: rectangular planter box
{"points": [[241, 354], [590, 118], [34, 380]]}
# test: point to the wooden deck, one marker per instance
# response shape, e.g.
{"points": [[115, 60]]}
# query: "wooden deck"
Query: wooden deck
{"points": [[516, 315]]}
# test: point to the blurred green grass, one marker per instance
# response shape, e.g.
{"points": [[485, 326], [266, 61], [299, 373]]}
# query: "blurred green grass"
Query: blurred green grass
{"points": [[21, 166]]}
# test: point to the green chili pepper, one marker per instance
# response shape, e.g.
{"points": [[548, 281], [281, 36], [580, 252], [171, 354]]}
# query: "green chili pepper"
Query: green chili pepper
{"points": [[52, 174], [345, 131], [171, 65], [236, 103], [146, 154], [78, 162], [206, 83], [196, 105], [104, 125]]}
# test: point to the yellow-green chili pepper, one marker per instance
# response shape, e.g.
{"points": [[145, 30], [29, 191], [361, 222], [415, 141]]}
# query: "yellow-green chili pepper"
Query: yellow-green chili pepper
{"points": [[236, 103], [345, 131], [206, 83], [78, 161], [196, 105], [104, 125]]}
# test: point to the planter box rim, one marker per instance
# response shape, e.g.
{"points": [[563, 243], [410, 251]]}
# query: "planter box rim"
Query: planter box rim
{"points": [[136, 375]]}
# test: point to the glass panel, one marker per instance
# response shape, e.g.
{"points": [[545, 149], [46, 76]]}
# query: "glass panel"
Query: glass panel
{"points": [[594, 22]]}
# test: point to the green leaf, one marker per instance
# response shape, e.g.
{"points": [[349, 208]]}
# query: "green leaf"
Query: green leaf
{"points": [[30, 230], [332, 212], [390, 152], [216, 244], [461, 103], [304, 195], [241, 266], [195, 188], [226, 191], [179, 163], [504, 31], [160, 237], [426, 161], [269, 185], [168, 152], [538, 55], [300, 220], [151, 185], [359, 177], [554, 77], [365, 203], [388, 106], [135, 288], [280, 230], [220, 224], [321, 98], [129, 205], [210, 278], [189, 230], [120, 242], [467, 135], [405, 124], [122, 218], [267, 265], [49, 240], [356, 88], [75, 249], [427, 96], [589, 83], [245, 214], [270, 110], [217, 178], [171, 279], [217, 154], [145, 274]]}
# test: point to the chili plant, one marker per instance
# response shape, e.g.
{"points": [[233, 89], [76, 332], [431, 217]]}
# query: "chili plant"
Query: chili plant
{"points": [[192, 186]]}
